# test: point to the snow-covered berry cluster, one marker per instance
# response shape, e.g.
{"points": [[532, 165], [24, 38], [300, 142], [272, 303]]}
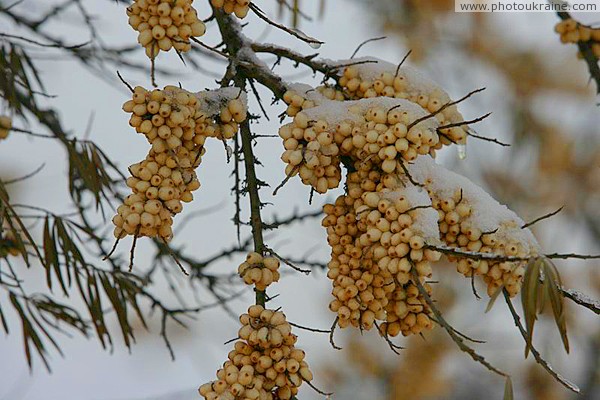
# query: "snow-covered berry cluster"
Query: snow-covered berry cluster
{"points": [[238, 7], [399, 208], [299, 97], [378, 238], [377, 78], [264, 364], [176, 123], [469, 219], [5, 126], [387, 132], [259, 271], [571, 31], [165, 24]]}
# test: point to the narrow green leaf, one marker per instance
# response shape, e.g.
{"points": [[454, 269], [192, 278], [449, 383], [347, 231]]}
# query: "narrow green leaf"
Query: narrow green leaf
{"points": [[508, 389], [94, 310], [32, 68], [3, 319], [529, 299], [51, 257], [493, 298], [552, 283], [130, 291], [120, 308], [29, 335]]}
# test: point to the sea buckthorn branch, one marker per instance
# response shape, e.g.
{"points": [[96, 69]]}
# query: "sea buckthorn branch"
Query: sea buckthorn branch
{"points": [[264, 363], [457, 338], [533, 350], [581, 299], [235, 43], [94, 56], [499, 257], [255, 203], [543, 217], [586, 50], [308, 60], [294, 32]]}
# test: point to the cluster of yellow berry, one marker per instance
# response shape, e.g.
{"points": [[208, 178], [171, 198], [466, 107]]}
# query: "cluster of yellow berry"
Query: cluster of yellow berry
{"points": [[165, 24], [238, 7], [465, 223], [389, 132], [377, 238], [377, 78], [301, 97], [385, 230], [264, 364], [5, 126], [312, 153], [176, 123], [571, 31], [259, 271]]}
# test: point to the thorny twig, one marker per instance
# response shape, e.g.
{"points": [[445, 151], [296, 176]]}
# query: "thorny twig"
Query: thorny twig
{"points": [[533, 350], [458, 339], [553, 213], [259, 13], [333, 326], [366, 42], [582, 300]]}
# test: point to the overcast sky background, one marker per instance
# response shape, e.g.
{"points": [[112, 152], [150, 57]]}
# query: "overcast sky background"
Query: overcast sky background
{"points": [[89, 373]]}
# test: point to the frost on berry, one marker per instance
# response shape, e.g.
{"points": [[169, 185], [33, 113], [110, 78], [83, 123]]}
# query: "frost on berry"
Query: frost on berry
{"points": [[469, 219], [382, 131]]}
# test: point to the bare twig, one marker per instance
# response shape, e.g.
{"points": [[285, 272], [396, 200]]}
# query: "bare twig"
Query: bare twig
{"points": [[458, 339], [573, 255], [318, 390], [53, 45], [125, 82], [306, 328], [219, 52], [365, 42], [553, 213], [132, 251], [285, 261], [472, 121], [442, 108], [392, 346], [402, 62], [410, 178], [582, 300], [473, 255], [25, 177], [259, 13], [486, 139], [335, 321]]}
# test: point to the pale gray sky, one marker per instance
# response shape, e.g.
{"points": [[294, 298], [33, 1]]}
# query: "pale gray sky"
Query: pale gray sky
{"points": [[89, 373]]}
